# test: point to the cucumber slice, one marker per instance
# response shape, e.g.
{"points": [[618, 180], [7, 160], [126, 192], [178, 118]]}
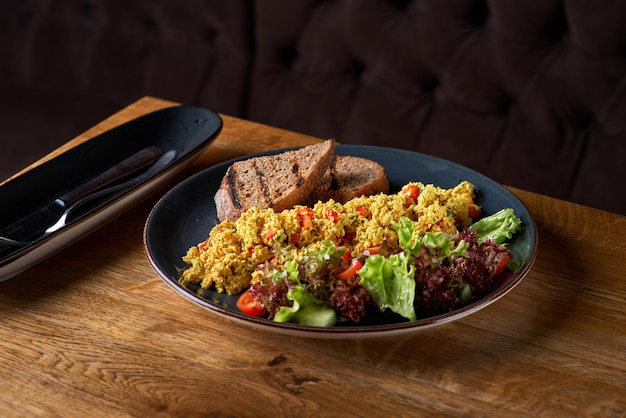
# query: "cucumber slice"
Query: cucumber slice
{"points": [[316, 316]]}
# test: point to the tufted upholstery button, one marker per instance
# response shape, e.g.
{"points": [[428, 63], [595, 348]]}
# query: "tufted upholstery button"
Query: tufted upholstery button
{"points": [[582, 120], [209, 34], [401, 5], [554, 29], [87, 7], [286, 57], [358, 69], [429, 84], [504, 105], [478, 12], [150, 24]]}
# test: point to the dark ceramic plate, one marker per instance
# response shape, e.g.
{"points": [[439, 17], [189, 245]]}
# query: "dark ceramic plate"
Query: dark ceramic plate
{"points": [[186, 214], [181, 133]]}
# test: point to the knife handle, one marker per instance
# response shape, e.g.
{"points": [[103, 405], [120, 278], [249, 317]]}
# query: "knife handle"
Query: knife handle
{"points": [[128, 166]]}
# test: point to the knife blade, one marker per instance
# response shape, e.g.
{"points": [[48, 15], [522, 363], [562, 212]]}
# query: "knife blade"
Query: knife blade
{"points": [[33, 225]]}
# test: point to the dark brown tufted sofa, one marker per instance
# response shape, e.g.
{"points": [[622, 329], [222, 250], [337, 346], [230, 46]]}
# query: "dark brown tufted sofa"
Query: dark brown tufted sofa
{"points": [[531, 93]]}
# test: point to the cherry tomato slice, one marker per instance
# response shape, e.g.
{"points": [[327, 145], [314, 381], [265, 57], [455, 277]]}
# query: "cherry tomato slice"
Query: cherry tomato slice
{"points": [[502, 265], [346, 256], [249, 305], [355, 266], [372, 250]]}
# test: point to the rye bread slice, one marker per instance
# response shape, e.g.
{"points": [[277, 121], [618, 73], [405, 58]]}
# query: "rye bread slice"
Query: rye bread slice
{"points": [[349, 177], [276, 181]]}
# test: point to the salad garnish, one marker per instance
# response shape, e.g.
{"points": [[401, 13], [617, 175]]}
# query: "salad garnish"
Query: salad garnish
{"points": [[418, 276]]}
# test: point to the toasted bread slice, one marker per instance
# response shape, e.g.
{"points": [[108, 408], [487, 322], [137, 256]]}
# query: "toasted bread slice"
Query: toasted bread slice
{"points": [[277, 181], [349, 177]]}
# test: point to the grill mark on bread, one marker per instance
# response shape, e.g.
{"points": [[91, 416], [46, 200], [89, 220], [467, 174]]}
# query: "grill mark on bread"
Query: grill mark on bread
{"points": [[260, 174], [232, 187]]}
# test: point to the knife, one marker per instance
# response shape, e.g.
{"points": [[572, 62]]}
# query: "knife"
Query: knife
{"points": [[33, 225]]}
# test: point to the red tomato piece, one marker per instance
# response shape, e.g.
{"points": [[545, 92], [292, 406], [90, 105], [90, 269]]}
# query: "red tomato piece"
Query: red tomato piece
{"points": [[411, 190], [355, 266], [346, 256], [270, 234], [306, 217], [348, 237], [373, 250], [249, 305], [332, 214], [473, 211], [502, 265]]}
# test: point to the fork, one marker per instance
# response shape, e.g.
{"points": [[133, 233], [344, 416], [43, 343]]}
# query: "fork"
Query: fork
{"points": [[163, 161]]}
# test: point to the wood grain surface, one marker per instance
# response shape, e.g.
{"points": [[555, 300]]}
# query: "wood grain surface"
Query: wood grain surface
{"points": [[93, 331]]}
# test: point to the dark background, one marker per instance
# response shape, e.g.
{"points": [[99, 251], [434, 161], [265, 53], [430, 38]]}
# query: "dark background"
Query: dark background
{"points": [[532, 94]]}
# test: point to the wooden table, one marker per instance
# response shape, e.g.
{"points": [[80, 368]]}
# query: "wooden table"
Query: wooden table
{"points": [[93, 331]]}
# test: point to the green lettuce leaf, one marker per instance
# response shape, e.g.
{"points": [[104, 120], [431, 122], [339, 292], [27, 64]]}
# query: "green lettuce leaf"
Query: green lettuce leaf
{"points": [[291, 267], [404, 227], [500, 227], [306, 309], [442, 240], [315, 263], [391, 283], [445, 243]]}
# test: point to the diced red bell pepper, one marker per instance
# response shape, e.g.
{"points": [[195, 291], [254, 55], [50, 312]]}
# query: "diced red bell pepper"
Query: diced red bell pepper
{"points": [[305, 215], [270, 234], [362, 211], [411, 190], [332, 214], [473, 210]]}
